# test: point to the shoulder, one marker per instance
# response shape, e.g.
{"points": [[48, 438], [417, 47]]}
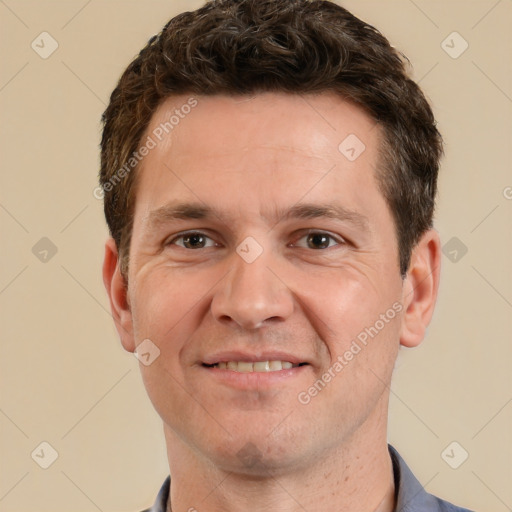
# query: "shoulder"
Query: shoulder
{"points": [[445, 506], [411, 495]]}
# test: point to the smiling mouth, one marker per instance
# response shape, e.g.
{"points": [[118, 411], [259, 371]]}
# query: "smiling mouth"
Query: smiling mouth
{"points": [[254, 367]]}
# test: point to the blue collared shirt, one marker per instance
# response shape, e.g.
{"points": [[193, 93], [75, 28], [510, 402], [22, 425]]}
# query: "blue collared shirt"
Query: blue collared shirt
{"points": [[410, 494]]}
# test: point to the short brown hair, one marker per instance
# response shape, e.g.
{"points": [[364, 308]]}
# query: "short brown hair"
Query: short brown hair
{"points": [[243, 47]]}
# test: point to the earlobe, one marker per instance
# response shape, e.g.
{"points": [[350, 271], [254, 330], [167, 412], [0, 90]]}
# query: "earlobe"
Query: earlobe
{"points": [[420, 289], [118, 294]]}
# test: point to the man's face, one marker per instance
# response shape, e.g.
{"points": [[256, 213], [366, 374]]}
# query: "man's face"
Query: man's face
{"points": [[251, 271]]}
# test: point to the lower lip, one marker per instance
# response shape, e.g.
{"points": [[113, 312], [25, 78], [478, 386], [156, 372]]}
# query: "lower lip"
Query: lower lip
{"points": [[251, 380]]}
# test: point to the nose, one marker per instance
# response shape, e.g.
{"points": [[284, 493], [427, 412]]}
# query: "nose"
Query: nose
{"points": [[252, 294]]}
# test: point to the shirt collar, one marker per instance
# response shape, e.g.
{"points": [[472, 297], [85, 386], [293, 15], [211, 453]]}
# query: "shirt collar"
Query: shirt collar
{"points": [[409, 493]]}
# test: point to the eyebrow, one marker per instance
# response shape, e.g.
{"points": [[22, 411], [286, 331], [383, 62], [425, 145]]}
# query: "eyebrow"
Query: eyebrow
{"points": [[187, 211]]}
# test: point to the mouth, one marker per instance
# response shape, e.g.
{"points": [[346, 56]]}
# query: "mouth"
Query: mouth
{"points": [[266, 371], [254, 366]]}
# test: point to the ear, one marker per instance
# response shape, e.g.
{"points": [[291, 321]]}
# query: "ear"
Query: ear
{"points": [[420, 288], [117, 290]]}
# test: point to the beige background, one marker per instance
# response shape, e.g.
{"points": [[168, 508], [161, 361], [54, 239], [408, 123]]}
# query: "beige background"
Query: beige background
{"points": [[65, 378]]}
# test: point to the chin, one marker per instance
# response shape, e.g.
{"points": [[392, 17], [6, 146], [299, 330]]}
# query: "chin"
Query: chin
{"points": [[257, 455]]}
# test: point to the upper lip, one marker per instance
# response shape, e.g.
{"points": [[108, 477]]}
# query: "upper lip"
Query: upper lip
{"points": [[252, 357]]}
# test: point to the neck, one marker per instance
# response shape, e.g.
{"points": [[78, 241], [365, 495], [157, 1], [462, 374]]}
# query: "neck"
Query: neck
{"points": [[356, 477]]}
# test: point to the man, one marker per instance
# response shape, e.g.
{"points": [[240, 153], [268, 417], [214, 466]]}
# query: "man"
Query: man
{"points": [[270, 175]]}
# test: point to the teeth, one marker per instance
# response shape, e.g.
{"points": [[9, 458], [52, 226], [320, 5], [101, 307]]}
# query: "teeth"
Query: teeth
{"points": [[261, 366], [245, 367], [258, 366]]}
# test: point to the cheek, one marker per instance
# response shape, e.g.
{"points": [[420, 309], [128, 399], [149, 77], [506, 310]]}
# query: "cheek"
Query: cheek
{"points": [[345, 302], [358, 319], [355, 317], [165, 303], [165, 308]]}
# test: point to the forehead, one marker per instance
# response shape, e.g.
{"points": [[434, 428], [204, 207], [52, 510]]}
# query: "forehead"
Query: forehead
{"points": [[271, 147], [308, 125]]}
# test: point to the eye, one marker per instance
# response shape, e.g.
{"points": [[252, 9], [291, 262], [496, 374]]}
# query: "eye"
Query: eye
{"points": [[192, 240], [318, 240]]}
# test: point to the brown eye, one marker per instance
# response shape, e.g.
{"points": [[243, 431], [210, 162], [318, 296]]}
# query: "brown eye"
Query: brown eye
{"points": [[193, 240], [318, 240]]}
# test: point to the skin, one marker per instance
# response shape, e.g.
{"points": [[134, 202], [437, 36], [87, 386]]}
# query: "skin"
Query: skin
{"points": [[306, 297]]}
